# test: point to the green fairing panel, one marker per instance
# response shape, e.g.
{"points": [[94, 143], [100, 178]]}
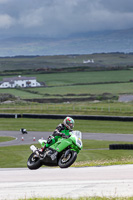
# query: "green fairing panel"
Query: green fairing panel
{"points": [[61, 144], [74, 148]]}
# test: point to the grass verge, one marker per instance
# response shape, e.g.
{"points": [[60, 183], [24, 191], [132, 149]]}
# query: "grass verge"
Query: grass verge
{"points": [[5, 139], [92, 126], [16, 156]]}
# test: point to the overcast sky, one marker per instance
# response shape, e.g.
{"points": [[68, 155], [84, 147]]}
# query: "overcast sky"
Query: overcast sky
{"points": [[59, 18]]}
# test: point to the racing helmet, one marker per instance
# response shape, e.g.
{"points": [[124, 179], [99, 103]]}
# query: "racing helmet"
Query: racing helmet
{"points": [[68, 122]]}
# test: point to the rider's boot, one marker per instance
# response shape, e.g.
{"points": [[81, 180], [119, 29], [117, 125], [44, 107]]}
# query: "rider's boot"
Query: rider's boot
{"points": [[40, 152]]}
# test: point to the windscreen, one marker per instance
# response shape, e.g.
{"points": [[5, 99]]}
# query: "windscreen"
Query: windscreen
{"points": [[77, 133]]}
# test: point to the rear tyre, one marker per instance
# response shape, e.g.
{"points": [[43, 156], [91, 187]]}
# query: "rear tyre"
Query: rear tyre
{"points": [[33, 162], [68, 161]]}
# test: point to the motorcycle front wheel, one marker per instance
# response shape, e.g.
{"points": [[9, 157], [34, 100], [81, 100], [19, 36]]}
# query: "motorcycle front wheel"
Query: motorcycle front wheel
{"points": [[33, 162], [65, 162]]}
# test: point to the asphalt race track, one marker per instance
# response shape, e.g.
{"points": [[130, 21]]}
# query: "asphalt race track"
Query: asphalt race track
{"points": [[71, 182], [32, 137]]}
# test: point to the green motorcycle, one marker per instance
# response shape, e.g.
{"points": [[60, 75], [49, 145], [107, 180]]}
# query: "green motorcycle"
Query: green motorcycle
{"points": [[63, 153]]}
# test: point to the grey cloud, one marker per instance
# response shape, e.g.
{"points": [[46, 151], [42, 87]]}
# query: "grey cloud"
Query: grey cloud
{"points": [[4, 1], [6, 21], [118, 6], [55, 18]]}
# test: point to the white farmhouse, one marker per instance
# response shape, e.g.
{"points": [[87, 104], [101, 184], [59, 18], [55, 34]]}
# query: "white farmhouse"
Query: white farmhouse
{"points": [[88, 61], [19, 81]]}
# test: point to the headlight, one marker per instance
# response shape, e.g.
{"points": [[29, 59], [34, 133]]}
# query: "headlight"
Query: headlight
{"points": [[79, 142]]}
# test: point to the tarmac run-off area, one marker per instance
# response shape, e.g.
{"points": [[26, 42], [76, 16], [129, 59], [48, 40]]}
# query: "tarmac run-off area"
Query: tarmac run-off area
{"points": [[71, 182]]}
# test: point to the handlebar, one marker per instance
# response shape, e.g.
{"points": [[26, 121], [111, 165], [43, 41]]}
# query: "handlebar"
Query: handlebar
{"points": [[65, 136]]}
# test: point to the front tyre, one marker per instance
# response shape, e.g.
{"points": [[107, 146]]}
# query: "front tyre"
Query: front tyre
{"points": [[65, 162], [33, 162]]}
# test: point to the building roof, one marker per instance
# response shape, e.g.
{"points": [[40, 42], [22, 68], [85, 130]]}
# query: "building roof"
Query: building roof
{"points": [[18, 78]]}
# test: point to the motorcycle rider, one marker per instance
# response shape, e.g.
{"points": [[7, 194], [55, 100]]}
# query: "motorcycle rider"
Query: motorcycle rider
{"points": [[61, 130]]}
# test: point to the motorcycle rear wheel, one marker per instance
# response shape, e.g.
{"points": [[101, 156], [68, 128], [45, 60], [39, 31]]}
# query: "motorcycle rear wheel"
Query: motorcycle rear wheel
{"points": [[33, 163], [68, 161]]}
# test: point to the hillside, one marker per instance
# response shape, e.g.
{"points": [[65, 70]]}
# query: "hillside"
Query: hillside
{"points": [[61, 63], [92, 42]]}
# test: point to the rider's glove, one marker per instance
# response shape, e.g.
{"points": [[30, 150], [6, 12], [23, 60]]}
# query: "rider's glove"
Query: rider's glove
{"points": [[49, 140], [63, 135]]}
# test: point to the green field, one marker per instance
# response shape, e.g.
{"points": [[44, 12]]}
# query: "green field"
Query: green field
{"points": [[92, 126], [78, 108], [104, 60], [115, 89], [72, 85], [57, 79], [110, 73], [72, 91], [77, 92]]}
